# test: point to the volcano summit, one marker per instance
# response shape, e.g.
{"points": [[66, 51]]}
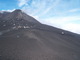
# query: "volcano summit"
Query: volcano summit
{"points": [[24, 38]]}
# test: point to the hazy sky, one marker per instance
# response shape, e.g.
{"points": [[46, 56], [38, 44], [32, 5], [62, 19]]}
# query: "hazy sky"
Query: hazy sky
{"points": [[63, 14]]}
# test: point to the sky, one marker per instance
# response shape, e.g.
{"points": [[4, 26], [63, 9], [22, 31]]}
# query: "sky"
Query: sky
{"points": [[64, 14]]}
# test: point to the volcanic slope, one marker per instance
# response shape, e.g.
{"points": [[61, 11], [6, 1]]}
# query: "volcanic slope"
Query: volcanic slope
{"points": [[24, 38]]}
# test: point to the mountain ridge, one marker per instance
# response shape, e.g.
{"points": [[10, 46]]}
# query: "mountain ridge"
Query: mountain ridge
{"points": [[24, 38]]}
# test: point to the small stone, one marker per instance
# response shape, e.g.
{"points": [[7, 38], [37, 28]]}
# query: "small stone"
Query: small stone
{"points": [[13, 27], [4, 25], [3, 21], [0, 33], [19, 26], [18, 36], [13, 24], [24, 26], [0, 55], [62, 33]]}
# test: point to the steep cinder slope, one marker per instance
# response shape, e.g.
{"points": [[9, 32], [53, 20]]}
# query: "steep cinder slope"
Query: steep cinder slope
{"points": [[15, 19], [36, 41]]}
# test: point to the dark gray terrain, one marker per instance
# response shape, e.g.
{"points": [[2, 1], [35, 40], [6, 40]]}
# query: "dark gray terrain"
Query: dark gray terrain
{"points": [[24, 38]]}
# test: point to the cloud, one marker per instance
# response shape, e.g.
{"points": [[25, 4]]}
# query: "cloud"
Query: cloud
{"points": [[8, 10], [74, 10], [70, 23], [52, 5], [58, 13], [21, 2], [73, 27], [39, 7]]}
